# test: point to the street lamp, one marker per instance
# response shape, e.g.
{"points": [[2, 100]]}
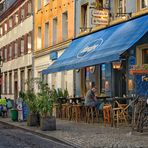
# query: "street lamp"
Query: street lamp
{"points": [[1, 64]]}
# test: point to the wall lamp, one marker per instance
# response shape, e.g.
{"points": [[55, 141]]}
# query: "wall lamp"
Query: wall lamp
{"points": [[116, 65], [85, 29], [124, 15]]}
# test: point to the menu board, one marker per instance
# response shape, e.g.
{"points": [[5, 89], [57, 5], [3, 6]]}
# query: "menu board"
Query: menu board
{"points": [[25, 111]]}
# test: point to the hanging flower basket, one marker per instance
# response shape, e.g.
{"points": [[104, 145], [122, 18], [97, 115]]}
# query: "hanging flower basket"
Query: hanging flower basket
{"points": [[139, 69]]}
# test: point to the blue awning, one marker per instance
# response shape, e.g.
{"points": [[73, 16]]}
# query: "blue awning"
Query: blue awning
{"points": [[100, 47]]}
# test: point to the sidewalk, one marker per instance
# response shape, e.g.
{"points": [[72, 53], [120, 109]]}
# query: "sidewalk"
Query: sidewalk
{"points": [[89, 135]]}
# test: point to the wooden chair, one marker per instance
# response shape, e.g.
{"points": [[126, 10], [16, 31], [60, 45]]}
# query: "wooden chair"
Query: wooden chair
{"points": [[120, 114], [107, 114], [92, 114]]}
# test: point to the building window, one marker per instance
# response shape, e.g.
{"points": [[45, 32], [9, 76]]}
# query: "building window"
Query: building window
{"points": [[15, 49], [22, 13], [5, 88], [64, 80], [10, 83], [5, 55], [10, 22], [16, 18], [10, 52], [102, 79], [54, 77], [5, 27], [46, 2], [22, 80], [1, 31], [54, 31], [22, 45], [29, 43], [121, 7], [65, 26], [144, 4], [29, 8], [29, 74], [39, 38], [39, 4], [84, 16], [46, 38], [45, 79], [145, 56]]}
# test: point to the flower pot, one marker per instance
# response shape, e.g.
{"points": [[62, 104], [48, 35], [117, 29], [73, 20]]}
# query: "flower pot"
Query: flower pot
{"points": [[48, 123], [33, 119], [138, 71]]}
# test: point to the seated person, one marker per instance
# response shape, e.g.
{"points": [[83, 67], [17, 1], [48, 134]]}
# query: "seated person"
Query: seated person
{"points": [[90, 98]]}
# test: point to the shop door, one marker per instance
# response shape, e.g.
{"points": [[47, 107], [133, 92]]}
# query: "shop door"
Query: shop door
{"points": [[119, 83], [15, 90]]}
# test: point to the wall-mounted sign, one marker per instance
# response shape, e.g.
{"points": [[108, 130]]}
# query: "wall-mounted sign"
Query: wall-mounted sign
{"points": [[53, 55], [145, 78], [100, 17]]}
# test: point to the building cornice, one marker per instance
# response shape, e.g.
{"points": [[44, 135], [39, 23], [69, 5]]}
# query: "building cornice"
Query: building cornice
{"points": [[56, 47]]}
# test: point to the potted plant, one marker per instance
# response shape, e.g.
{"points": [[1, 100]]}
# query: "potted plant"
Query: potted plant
{"points": [[45, 106], [59, 97], [31, 101]]}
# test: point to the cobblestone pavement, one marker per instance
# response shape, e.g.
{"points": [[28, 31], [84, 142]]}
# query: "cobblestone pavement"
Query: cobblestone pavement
{"points": [[16, 138], [94, 135]]}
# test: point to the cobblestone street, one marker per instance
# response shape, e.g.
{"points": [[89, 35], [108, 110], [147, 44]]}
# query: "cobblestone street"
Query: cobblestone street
{"points": [[16, 138], [91, 135]]}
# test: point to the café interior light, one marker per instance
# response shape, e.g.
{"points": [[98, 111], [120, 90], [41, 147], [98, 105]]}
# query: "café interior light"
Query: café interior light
{"points": [[116, 65]]}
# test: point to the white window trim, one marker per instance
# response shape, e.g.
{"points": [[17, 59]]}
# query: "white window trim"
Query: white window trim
{"points": [[141, 5]]}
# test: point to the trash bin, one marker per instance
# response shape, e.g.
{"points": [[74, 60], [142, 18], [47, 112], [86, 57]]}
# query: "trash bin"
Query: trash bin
{"points": [[14, 114]]}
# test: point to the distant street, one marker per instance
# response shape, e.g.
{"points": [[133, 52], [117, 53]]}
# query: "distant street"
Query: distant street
{"points": [[16, 138]]}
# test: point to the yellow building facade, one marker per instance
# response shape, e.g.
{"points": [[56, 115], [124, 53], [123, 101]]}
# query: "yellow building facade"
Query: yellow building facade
{"points": [[53, 31]]}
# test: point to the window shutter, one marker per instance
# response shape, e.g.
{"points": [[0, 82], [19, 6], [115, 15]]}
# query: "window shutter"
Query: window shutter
{"points": [[7, 25], [19, 15], [13, 50], [26, 44], [8, 47], [26, 9], [3, 53], [19, 47]]}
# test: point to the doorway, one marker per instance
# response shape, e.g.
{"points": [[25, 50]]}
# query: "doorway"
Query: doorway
{"points": [[119, 77], [15, 91]]}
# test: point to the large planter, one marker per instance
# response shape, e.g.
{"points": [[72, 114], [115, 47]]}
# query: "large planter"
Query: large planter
{"points": [[33, 120], [14, 114], [48, 123]]}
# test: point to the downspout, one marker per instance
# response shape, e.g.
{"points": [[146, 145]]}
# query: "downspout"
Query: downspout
{"points": [[32, 42], [74, 72]]}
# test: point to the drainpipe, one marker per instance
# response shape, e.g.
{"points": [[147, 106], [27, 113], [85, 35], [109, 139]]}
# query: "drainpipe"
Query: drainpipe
{"points": [[32, 42], [74, 74]]}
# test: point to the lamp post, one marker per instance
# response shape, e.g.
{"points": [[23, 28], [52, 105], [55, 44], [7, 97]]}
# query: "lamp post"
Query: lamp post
{"points": [[1, 64]]}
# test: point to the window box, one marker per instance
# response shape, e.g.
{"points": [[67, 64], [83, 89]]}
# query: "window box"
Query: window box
{"points": [[139, 69]]}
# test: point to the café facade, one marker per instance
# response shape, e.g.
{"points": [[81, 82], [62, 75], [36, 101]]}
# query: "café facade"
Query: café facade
{"points": [[105, 58]]}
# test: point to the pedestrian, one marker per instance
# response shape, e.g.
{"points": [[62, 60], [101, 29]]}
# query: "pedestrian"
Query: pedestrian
{"points": [[90, 98], [4, 107]]}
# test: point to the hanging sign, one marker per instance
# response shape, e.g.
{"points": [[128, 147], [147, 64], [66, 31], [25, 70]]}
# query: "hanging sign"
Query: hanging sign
{"points": [[100, 17]]}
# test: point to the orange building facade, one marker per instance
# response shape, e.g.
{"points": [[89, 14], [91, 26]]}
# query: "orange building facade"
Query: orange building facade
{"points": [[53, 31]]}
